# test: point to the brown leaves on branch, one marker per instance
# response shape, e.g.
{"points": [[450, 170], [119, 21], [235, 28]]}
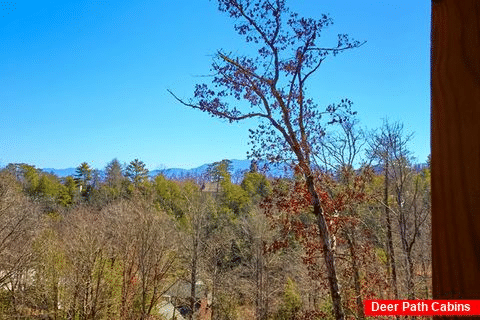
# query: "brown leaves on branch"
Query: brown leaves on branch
{"points": [[289, 209]]}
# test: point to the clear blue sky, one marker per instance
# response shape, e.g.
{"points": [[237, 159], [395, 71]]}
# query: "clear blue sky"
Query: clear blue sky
{"points": [[87, 80]]}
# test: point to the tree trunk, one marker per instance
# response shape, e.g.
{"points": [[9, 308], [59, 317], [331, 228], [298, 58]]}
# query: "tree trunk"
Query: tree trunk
{"points": [[261, 312], [328, 251], [410, 286], [55, 299], [427, 296], [73, 309], [214, 292], [356, 276], [193, 277], [390, 251]]}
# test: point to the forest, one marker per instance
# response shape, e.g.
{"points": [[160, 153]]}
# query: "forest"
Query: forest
{"points": [[350, 221], [124, 245]]}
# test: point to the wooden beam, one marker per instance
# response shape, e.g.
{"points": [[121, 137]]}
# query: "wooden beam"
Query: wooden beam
{"points": [[455, 85]]}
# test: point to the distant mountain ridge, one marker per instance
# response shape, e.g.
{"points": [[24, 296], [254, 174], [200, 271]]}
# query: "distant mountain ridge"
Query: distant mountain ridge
{"points": [[237, 166]]}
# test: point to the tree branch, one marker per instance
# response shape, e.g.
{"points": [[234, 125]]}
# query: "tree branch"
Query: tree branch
{"points": [[220, 114], [338, 49]]}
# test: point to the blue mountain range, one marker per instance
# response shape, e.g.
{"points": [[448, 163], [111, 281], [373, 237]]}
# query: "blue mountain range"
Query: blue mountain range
{"points": [[237, 167]]}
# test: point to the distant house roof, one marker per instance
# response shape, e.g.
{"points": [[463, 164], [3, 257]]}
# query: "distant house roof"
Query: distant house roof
{"points": [[211, 187], [168, 311], [182, 289]]}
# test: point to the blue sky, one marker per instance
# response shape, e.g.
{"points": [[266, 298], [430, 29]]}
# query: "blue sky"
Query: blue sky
{"points": [[87, 80]]}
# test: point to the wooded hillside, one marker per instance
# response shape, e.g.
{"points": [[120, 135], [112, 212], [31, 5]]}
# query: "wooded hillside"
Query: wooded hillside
{"points": [[114, 246]]}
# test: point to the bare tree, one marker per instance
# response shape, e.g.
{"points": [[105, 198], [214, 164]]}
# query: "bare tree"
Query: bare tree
{"points": [[17, 232], [197, 208], [262, 264], [272, 85], [381, 145], [145, 242], [412, 207], [15, 220], [410, 192], [86, 247], [338, 150]]}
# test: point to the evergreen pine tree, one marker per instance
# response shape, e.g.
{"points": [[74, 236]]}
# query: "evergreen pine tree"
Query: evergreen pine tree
{"points": [[136, 172]]}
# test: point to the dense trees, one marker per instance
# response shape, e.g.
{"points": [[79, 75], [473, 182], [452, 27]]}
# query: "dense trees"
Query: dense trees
{"points": [[253, 244], [251, 249]]}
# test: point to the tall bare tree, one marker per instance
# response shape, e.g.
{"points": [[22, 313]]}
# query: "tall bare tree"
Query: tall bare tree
{"points": [[197, 210], [339, 151], [272, 86], [145, 243], [18, 228], [410, 193], [381, 145]]}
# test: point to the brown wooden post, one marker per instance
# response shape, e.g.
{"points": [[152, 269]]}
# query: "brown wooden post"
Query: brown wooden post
{"points": [[455, 83]]}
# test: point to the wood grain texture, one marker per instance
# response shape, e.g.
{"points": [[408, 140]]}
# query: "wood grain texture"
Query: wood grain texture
{"points": [[455, 85]]}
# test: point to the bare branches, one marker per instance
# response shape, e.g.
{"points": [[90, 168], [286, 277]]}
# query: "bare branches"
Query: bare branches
{"points": [[17, 219], [230, 115], [356, 44]]}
